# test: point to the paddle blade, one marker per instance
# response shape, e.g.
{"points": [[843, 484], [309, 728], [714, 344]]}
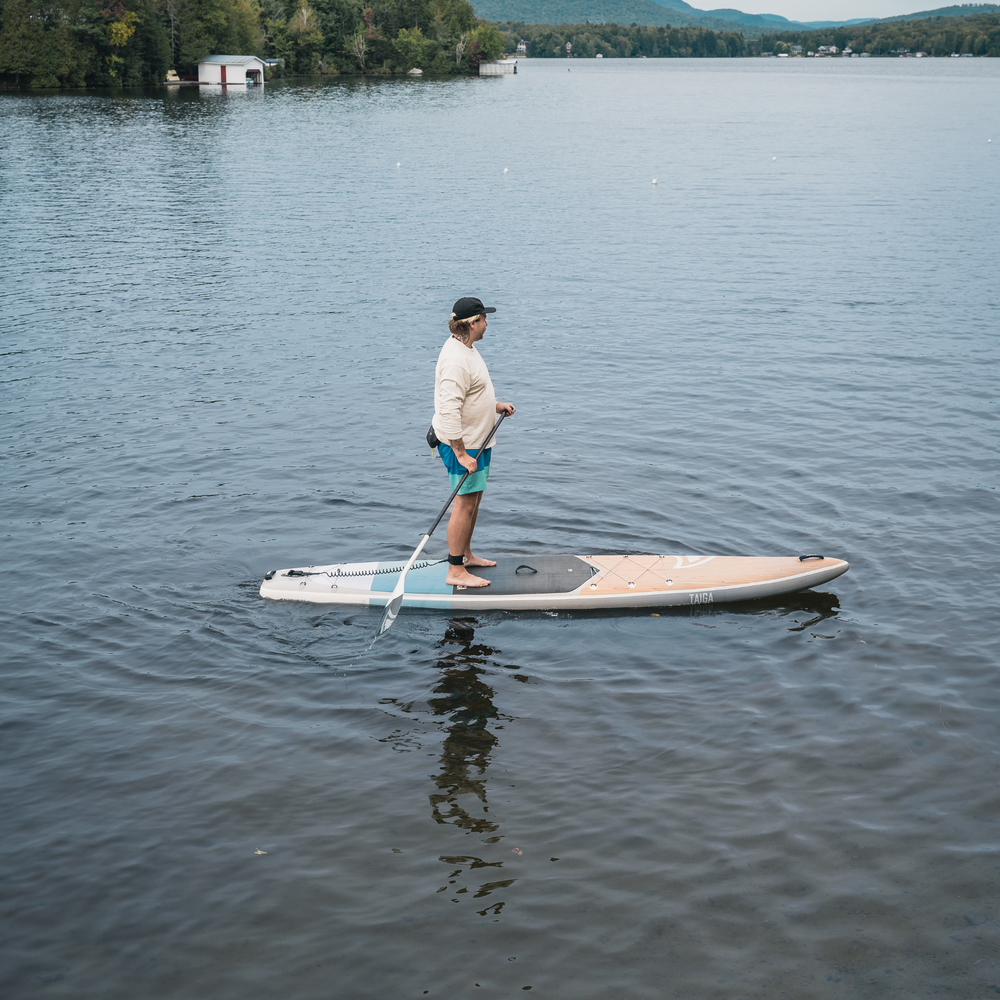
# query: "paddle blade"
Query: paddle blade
{"points": [[396, 601], [391, 610]]}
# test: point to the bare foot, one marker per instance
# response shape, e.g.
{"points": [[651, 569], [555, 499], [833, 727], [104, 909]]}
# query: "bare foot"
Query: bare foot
{"points": [[459, 576], [478, 561]]}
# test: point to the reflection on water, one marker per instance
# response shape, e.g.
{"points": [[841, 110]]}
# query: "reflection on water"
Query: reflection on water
{"points": [[467, 700], [802, 610], [462, 863], [819, 606]]}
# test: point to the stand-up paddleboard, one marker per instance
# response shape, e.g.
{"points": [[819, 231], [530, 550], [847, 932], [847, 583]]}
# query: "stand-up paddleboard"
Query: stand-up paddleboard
{"points": [[546, 582]]}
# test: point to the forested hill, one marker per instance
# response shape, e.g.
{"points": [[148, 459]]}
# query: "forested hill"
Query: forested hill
{"points": [[977, 34], [973, 35], [678, 12], [641, 12], [962, 10]]}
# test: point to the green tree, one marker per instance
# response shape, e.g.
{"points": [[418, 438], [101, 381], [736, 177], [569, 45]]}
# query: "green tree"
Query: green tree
{"points": [[486, 41], [22, 39], [119, 26], [363, 38], [413, 48], [277, 43], [304, 37], [216, 26]]}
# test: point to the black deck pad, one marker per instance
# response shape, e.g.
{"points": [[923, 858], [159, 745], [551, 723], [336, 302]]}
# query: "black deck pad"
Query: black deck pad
{"points": [[553, 574]]}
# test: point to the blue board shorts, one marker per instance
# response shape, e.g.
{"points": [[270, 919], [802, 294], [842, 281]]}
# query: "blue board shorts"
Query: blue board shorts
{"points": [[476, 483]]}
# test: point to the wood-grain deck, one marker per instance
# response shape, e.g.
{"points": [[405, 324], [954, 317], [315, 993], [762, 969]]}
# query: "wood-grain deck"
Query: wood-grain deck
{"points": [[644, 573]]}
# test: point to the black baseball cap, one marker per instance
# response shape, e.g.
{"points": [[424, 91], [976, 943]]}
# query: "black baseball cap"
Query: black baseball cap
{"points": [[470, 306]]}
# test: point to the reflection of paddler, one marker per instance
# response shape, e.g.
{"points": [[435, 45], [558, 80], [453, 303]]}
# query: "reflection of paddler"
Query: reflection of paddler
{"points": [[467, 701], [465, 410]]}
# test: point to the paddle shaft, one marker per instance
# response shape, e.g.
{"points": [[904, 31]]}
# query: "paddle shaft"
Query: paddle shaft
{"points": [[396, 600]]}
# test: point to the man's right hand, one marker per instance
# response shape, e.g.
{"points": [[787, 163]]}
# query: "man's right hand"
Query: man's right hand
{"points": [[464, 458]]}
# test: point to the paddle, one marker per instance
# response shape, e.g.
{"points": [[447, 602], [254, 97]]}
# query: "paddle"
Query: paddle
{"points": [[396, 601]]}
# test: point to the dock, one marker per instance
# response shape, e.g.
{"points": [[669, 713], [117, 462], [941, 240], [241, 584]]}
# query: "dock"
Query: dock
{"points": [[498, 67]]}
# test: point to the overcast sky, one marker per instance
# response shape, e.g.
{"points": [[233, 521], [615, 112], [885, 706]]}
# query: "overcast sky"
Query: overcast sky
{"points": [[825, 10]]}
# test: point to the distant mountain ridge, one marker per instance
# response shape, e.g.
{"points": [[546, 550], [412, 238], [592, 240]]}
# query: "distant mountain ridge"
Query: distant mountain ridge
{"points": [[680, 13]]}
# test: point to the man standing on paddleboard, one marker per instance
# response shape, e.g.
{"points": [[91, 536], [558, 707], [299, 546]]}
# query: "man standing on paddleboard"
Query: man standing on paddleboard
{"points": [[465, 409]]}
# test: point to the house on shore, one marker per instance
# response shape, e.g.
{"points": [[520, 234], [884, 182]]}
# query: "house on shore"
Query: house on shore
{"points": [[229, 70]]}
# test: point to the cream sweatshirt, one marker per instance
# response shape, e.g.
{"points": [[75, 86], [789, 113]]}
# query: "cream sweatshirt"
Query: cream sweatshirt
{"points": [[465, 405]]}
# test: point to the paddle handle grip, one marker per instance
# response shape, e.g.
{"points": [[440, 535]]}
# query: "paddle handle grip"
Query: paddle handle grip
{"points": [[461, 482]]}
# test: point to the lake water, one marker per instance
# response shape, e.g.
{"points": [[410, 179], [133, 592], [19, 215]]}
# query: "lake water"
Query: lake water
{"points": [[220, 316]]}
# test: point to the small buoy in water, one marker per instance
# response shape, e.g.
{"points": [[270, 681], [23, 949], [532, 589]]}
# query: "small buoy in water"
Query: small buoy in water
{"points": [[654, 180], [398, 165], [773, 158], [989, 140], [505, 170]]}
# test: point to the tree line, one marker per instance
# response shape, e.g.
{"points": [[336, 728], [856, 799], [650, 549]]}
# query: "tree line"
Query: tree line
{"points": [[974, 34], [977, 34], [101, 43], [618, 41]]}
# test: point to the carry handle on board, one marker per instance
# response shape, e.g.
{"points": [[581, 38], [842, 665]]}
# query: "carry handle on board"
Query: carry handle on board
{"points": [[395, 602]]}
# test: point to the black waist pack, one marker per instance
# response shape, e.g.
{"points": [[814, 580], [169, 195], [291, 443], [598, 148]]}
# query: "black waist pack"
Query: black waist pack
{"points": [[432, 438]]}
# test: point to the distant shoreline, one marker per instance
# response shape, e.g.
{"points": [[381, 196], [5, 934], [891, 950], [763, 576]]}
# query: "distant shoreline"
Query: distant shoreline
{"points": [[138, 51]]}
